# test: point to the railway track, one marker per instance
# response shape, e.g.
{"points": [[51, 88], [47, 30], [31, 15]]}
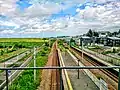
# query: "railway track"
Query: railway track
{"points": [[51, 78], [16, 73], [109, 72], [55, 77]]}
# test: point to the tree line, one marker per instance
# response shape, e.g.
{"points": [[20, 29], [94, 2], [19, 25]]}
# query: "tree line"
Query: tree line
{"points": [[92, 33]]}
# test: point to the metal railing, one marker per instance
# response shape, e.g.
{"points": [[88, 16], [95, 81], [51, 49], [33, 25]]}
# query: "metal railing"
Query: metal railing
{"points": [[60, 69]]}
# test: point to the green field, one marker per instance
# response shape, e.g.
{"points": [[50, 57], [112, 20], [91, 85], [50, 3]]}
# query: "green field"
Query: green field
{"points": [[10, 47], [23, 40]]}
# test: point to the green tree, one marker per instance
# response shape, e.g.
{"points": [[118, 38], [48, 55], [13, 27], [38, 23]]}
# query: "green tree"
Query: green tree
{"points": [[114, 34], [89, 33], [119, 31], [96, 34]]}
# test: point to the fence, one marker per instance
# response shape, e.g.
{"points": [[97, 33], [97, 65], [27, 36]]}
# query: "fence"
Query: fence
{"points": [[60, 69]]}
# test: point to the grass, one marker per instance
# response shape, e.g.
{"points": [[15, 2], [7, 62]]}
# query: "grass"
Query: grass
{"points": [[25, 81], [60, 45]]}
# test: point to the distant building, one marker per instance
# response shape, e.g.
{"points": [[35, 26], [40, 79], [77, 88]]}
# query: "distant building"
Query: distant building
{"points": [[102, 37], [112, 41], [86, 40], [67, 39], [103, 33], [118, 35]]}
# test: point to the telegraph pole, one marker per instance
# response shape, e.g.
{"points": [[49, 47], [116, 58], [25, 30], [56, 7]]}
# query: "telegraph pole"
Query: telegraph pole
{"points": [[34, 64], [82, 50], [49, 42]]}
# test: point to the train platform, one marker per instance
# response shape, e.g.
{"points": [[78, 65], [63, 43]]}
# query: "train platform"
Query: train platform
{"points": [[84, 82]]}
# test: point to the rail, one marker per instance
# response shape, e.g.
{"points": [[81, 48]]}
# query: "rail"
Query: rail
{"points": [[59, 68]]}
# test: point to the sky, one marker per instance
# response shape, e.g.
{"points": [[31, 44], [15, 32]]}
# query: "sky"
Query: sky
{"points": [[51, 18]]}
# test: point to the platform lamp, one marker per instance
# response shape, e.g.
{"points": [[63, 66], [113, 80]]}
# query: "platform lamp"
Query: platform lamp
{"points": [[82, 47]]}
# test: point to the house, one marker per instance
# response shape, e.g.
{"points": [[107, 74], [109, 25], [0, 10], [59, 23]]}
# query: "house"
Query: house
{"points": [[67, 39], [102, 37], [112, 41], [86, 40]]}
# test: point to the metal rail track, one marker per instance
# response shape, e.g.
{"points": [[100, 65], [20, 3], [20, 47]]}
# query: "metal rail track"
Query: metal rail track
{"points": [[51, 78], [55, 77], [108, 72]]}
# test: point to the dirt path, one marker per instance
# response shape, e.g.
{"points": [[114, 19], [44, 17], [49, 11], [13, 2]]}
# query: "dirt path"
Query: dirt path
{"points": [[51, 78]]}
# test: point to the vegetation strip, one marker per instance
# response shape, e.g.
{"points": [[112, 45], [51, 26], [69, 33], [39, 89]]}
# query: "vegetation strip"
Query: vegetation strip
{"points": [[26, 80]]}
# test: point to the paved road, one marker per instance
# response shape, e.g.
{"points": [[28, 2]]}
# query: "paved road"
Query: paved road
{"points": [[84, 83]]}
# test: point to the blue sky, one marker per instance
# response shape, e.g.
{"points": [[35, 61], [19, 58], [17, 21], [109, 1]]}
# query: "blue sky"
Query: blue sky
{"points": [[22, 4], [32, 18]]}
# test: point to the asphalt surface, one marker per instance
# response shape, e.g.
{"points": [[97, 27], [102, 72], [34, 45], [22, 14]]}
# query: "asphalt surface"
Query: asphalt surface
{"points": [[84, 82]]}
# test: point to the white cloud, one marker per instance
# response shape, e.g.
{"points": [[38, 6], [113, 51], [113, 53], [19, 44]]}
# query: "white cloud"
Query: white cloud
{"points": [[9, 23], [7, 6], [7, 32], [33, 19]]}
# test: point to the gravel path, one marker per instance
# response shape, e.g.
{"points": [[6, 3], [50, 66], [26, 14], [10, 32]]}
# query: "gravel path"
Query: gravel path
{"points": [[84, 82]]}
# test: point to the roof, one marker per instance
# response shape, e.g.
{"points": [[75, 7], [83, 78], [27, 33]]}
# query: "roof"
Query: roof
{"points": [[85, 37], [114, 38]]}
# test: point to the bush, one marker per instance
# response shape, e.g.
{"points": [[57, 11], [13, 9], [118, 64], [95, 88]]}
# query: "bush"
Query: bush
{"points": [[114, 50], [119, 54], [106, 52]]}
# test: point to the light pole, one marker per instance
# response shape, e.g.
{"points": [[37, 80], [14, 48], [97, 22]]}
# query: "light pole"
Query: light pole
{"points": [[82, 50]]}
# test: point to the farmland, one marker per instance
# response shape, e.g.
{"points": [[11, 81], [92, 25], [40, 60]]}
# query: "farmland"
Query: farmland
{"points": [[22, 40], [10, 47]]}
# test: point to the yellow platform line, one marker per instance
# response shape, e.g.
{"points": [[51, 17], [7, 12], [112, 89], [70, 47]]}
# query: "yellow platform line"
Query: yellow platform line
{"points": [[65, 71]]}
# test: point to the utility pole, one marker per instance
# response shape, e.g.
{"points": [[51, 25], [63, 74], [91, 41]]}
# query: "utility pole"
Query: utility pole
{"points": [[49, 42], [82, 50], [34, 64]]}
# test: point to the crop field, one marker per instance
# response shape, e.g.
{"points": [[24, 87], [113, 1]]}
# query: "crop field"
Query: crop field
{"points": [[10, 47], [23, 40]]}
